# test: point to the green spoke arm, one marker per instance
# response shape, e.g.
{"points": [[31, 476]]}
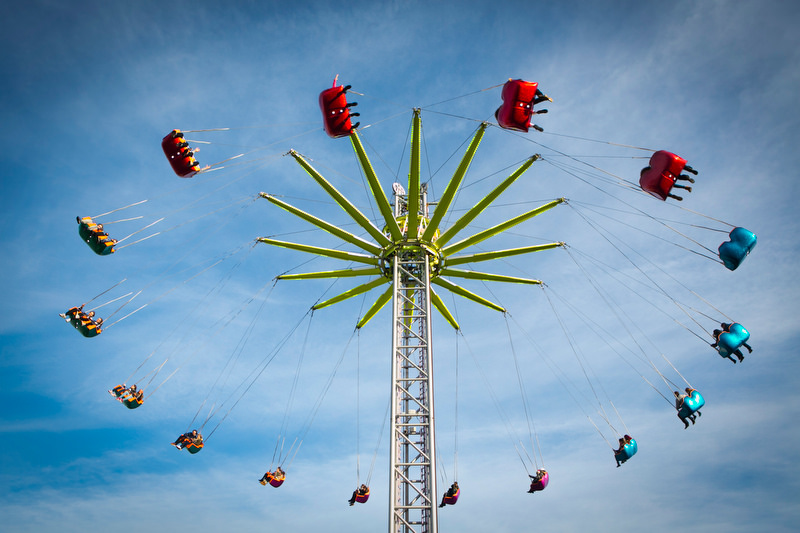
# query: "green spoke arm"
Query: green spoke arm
{"points": [[455, 183], [327, 252], [413, 178], [330, 228], [486, 256], [485, 234], [478, 208], [343, 202], [461, 291], [355, 291], [485, 276], [345, 273], [377, 306], [439, 305], [380, 197]]}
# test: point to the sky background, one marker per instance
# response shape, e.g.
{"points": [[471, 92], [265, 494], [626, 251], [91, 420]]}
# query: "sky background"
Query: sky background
{"points": [[90, 88]]}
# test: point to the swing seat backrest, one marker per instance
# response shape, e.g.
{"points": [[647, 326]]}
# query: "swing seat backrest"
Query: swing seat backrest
{"points": [[335, 113], [692, 403], [541, 484], [173, 146], [730, 341], [451, 500], [734, 251], [659, 178], [628, 451], [517, 109]]}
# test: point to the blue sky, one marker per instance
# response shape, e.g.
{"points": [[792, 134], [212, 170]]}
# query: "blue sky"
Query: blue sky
{"points": [[90, 88]]}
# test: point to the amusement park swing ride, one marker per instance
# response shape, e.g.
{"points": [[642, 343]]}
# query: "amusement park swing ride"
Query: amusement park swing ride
{"points": [[413, 255]]}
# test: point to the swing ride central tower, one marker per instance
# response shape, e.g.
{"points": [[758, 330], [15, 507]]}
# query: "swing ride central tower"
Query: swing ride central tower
{"points": [[413, 461], [411, 254]]}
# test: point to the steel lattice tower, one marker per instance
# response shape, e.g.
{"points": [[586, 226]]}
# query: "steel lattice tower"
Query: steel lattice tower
{"points": [[413, 461]]}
